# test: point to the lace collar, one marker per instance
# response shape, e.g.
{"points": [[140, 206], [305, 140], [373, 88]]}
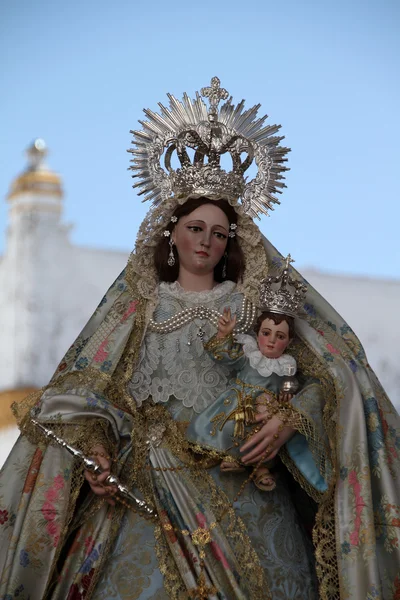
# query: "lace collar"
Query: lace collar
{"points": [[264, 365], [176, 290]]}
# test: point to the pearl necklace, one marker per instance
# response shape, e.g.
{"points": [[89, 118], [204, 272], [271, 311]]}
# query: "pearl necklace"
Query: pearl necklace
{"points": [[247, 315]]}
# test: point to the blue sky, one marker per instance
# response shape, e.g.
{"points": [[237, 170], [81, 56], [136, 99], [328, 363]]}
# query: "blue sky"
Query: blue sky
{"points": [[79, 73]]}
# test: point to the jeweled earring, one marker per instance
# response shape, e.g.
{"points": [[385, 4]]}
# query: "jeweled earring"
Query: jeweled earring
{"points": [[224, 265], [232, 232], [171, 256]]}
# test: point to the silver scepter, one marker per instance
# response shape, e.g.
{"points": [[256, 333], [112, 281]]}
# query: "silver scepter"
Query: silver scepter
{"points": [[91, 465]]}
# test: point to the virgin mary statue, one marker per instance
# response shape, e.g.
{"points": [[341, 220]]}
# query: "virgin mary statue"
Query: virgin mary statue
{"points": [[127, 389]]}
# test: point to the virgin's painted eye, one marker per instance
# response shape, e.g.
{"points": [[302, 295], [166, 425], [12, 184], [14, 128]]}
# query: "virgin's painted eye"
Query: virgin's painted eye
{"points": [[220, 235]]}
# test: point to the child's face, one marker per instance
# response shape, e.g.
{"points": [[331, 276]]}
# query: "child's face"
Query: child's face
{"points": [[273, 339]]}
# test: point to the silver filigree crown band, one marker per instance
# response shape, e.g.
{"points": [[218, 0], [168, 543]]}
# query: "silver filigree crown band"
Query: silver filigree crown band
{"points": [[281, 293], [188, 127]]}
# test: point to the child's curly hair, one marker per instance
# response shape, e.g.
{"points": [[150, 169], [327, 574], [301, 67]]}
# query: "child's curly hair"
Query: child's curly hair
{"points": [[277, 319]]}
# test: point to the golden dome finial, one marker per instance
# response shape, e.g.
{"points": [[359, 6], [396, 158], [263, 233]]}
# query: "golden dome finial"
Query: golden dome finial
{"points": [[37, 178], [36, 154]]}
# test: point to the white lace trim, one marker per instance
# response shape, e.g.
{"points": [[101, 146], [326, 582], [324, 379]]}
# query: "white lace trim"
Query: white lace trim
{"points": [[177, 291], [264, 365]]}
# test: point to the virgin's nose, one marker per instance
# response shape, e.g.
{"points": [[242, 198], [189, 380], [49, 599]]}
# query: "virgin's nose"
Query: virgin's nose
{"points": [[206, 240]]}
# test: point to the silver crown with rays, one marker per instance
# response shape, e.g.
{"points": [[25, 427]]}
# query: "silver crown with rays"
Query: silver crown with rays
{"points": [[209, 134], [281, 293]]}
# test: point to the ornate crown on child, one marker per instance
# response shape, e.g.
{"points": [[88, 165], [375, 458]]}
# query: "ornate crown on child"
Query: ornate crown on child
{"points": [[281, 293], [186, 128]]}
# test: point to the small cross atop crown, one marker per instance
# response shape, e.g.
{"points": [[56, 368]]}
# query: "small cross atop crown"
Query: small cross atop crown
{"points": [[215, 93]]}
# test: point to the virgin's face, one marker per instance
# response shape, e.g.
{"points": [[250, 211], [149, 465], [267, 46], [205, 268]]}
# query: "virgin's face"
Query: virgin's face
{"points": [[273, 339], [201, 239]]}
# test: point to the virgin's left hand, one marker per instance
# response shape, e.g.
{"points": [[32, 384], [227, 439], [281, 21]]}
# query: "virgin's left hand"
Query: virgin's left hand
{"points": [[260, 441]]}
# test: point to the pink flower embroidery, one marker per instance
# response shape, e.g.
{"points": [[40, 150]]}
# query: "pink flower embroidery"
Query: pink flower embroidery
{"points": [[48, 511], [3, 516], [131, 309], [332, 349], [219, 555], [101, 353], [58, 482], [359, 505], [51, 494], [352, 477], [52, 528]]}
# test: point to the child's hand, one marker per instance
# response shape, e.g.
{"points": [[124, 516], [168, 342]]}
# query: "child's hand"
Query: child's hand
{"points": [[226, 323], [285, 397]]}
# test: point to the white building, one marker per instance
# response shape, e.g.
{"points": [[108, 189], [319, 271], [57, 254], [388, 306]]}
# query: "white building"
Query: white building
{"points": [[49, 288]]}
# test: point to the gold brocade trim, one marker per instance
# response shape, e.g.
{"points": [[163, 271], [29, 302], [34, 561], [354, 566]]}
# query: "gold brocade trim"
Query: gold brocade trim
{"points": [[324, 534], [216, 343], [225, 345]]}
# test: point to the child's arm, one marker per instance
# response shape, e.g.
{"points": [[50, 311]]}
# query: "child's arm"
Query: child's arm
{"points": [[222, 346], [226, 323]]}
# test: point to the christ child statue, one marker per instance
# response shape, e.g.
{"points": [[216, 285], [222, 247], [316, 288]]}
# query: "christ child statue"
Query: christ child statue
{"points": [[262, 366]]}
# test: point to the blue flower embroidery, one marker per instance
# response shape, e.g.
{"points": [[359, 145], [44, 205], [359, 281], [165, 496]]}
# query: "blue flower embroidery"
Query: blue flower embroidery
{"points": [[310, 310], [23, 558], [276, 261], [345, 329], [18, 590], [91, 401], [346, 548], [103, 301], [374, 429], [121, 287], [106, 366], [374, 593], [82, 363], [343, 473], [353, 365], [88, 563]]}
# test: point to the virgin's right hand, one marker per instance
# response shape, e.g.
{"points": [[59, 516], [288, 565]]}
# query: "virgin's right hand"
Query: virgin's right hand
{"points": [[96, 482]]}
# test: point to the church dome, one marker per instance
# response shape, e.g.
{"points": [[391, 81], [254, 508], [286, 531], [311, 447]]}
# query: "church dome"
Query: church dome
{"points": [[37, 178]]}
